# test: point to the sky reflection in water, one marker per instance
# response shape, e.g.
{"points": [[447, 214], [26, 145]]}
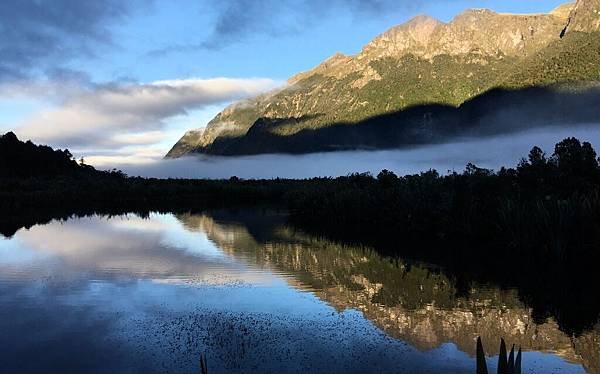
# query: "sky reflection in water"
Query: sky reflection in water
{"points": [[129, 294]]}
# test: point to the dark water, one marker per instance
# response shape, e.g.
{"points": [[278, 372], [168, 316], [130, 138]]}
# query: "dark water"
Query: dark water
{"points": [[127, 294]]}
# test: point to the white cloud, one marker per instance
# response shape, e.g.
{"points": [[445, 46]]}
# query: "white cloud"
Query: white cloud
{"points": [[488, 152], [116, 115], [149, 137], [130, 156]]}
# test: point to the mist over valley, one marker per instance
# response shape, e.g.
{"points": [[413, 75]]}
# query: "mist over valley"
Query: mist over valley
{"points": [[209, 187], [490, 152]]}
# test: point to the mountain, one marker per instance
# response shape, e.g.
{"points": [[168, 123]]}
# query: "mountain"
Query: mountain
{"points": [[393, 91], [584, 17]]}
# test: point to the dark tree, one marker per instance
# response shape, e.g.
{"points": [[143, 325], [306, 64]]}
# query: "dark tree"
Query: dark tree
{"points": [[575, 158], [537, 156], [387, 178]]}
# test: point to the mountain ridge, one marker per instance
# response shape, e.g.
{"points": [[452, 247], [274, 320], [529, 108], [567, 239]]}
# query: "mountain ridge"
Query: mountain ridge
{"points": [[423, 61]]}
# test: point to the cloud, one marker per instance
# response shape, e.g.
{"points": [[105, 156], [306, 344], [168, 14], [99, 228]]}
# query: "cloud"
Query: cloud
{"points": [[131, 247], [488, 152], [116, 115], [41, 35], [59, 86], [237, 20], [142, 155]]}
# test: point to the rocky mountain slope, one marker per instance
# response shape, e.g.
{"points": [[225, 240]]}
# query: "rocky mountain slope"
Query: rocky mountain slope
{"points": [[584, 17], [420, 63]]}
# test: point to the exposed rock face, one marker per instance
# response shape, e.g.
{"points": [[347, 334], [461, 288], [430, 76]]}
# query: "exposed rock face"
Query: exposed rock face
{"points": [[477, 30], [585, 16], [336, 66], [414, 37], [421, 61], [190, 140], [563, 11]]}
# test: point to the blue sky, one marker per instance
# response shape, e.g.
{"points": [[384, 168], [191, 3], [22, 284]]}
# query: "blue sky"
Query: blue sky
{"points": [[121, 81]]}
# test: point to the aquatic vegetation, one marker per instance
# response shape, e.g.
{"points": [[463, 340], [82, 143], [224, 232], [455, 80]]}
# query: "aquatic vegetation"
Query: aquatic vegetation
{"points": [[510, 365]]}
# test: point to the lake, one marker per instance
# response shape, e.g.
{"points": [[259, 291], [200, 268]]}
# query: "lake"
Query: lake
{"points": [[151, 294]]}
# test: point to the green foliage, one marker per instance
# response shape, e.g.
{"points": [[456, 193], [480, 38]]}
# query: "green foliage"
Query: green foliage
{"points": [[412, 81], [320, 102], [571, 59]]}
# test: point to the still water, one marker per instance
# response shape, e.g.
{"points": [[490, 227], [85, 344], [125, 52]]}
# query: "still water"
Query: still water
{"points": [[131, 294]]}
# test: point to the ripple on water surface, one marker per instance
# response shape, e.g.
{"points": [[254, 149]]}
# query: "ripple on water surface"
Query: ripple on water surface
{"points": [[131, 294]]}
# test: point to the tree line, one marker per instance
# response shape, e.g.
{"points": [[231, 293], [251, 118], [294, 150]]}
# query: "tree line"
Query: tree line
{"points": [[535, 226]]}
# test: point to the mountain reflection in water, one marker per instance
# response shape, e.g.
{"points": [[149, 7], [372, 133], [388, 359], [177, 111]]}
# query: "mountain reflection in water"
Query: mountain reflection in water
{"points": [[414, 303], [253, 293]]}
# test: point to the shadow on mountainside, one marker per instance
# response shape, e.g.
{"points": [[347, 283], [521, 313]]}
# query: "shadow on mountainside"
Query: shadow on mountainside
{"points": [[498, 111]]}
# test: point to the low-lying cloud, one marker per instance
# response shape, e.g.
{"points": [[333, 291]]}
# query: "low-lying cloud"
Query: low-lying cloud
{"points": [[118, 115], [489, 152]]}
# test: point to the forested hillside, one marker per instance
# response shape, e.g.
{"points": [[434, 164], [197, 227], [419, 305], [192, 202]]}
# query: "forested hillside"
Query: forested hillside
{"points": [[423, 62]]}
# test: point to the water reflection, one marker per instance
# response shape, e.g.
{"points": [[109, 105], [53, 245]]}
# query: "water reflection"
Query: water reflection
{"points": [[126, 247], [133, 294], [410, 302]]}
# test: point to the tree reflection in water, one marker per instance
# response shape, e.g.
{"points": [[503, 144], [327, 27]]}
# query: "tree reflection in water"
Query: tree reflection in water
{"points": [[414, 302]]}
